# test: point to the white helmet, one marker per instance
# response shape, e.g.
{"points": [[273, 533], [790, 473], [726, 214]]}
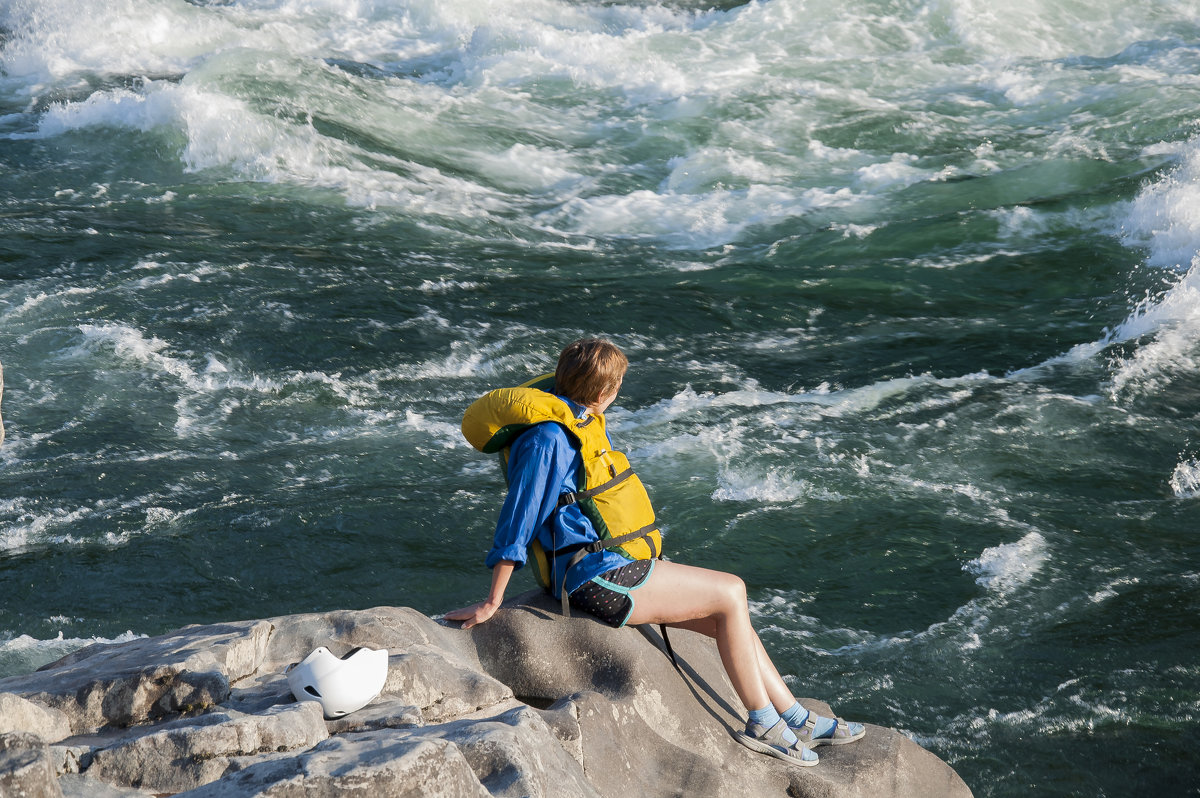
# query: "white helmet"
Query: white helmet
{"points": [[340, 685]]}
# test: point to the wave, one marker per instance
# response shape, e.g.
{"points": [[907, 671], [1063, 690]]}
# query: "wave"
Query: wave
{"points": [[824, 398], [1005, 573], [27, 525], [1185, 480], [28, 522], [55, 39], [209, 389], [1005, 567], [24, 654], [690, 127], [1158, 343], [1164, 327]]}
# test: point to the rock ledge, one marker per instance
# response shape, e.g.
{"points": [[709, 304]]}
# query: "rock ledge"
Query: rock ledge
{"points": [[528, 704]]}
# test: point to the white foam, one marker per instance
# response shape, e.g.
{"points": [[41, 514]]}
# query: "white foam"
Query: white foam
{"points": [[211, 391], [1165, 218], [822, 399], [1019, 87], [60, 296], [1172, 341], [899, 172], [446, 434], [1165, 325], [1185, 480], [225, 133], [131, 350], [29, 523], [526, 168], [698, 171], [471, 360], [1010, 565], [156, 108], [687, 220], [763, 434], [1001, 570], [750, 484], [487, 41], [444, 286], [209, 387], [485, 60], [1111, 590], [1034, 29], [56, 40], [24, 654], [648, 53], [133, 347]]}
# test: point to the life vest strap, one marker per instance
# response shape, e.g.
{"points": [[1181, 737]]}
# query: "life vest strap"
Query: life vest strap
{"points": [[565, 499], [607, 543], [583, 549]]}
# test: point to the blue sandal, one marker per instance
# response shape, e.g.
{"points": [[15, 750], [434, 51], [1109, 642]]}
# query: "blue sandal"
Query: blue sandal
{"points": [[770, 741], [841, 733]]}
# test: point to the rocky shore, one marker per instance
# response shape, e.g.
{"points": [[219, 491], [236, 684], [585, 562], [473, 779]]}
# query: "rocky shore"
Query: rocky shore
{"points": [[529, 704]]}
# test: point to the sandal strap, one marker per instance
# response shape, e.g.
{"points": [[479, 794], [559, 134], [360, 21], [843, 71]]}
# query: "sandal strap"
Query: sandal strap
{"points": [[839, 726], [774, 735]]}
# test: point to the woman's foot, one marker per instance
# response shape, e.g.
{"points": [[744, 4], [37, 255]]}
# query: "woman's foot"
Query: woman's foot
{"points": [[773, 742], [816, 730]]}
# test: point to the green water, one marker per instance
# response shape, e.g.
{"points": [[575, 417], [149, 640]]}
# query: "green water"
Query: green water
{"points": [[908, 291]]}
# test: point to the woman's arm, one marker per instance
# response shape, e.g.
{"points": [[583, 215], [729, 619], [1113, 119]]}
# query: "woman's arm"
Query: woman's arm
{"points": [[537, 463], [478, 613]]}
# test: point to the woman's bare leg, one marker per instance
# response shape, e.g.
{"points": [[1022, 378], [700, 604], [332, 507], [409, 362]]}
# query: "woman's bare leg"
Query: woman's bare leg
{"points": [[715, 603], [781, 696]]}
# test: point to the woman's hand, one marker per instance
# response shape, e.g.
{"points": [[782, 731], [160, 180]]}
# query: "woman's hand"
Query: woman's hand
{"points": [[473, 615], [478, 613]]}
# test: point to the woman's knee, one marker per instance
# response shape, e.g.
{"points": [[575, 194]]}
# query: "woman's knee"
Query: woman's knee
{"points": [[733, 591]]}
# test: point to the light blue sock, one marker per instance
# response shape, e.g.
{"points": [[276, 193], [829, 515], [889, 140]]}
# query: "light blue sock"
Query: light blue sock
{"points": [[768, 717], [796, 715]]}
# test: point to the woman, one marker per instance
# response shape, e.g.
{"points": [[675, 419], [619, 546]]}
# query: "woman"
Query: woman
{"points": [[595, 542]]}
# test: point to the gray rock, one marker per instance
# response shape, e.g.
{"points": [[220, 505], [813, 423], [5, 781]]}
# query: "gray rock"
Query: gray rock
{"points": [[443, 687], [383, 713], [25, 767], [121, 684], [515, 754], [528, 704], [17, 714], [625, 696], [185, 755], [71, 759], [358, 766], [75, 785]]}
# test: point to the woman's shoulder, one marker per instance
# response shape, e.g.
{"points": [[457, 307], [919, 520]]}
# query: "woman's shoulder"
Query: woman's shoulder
{"points": [[547, 434]]}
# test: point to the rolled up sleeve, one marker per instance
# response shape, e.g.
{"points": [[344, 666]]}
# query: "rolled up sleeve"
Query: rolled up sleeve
{"points": [[535, 470]]}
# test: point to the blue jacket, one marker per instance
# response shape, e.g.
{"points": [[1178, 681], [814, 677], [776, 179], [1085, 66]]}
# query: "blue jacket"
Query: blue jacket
{"points": [[542, 464]]}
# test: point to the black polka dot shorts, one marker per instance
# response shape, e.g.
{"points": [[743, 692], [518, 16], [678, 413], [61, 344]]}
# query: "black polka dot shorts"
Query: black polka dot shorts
{"points": [[609, 596]]}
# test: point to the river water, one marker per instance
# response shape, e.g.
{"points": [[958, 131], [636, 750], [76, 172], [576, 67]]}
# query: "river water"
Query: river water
{"points": [[910, 291]]}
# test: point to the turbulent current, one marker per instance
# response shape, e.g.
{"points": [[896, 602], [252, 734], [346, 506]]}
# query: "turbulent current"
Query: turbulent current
{"points": [[910, 291]]}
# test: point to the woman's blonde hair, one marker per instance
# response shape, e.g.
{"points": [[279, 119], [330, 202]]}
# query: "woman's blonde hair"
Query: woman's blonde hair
{"points": [[588, 369]]}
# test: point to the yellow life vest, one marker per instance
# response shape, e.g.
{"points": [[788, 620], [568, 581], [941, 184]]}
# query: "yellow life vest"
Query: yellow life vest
{"points": [[611, 495]]}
